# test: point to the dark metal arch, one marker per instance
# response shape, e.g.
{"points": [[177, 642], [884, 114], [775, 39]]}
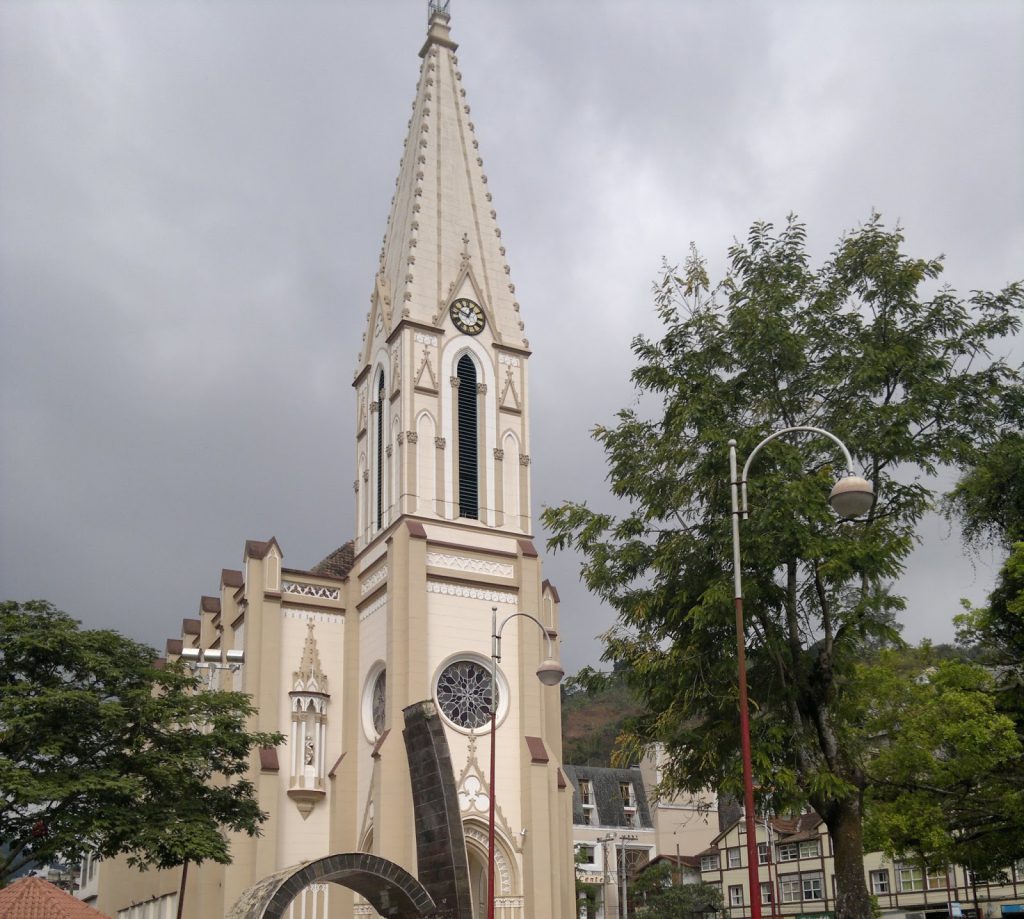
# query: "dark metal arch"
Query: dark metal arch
{"points": [[388, 887]]}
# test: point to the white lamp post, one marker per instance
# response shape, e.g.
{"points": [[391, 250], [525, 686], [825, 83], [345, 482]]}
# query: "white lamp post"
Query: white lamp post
{"points": [[550, 673], [851, 497]]}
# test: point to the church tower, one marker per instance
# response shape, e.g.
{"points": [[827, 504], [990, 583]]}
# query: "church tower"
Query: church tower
{"points": [[400, 615], [443, 523]]}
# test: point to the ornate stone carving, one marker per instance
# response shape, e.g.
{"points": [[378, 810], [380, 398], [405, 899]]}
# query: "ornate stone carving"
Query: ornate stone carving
{"points": [[375, 579], [439, 442], [524, 459], [400, 438], [454, 381], [412, 437], [310, 590], [388, 450], [481, 389], [463, 563], [377, 604], [499, 454]]}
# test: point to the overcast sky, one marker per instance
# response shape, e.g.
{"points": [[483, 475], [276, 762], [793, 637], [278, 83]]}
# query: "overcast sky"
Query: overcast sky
{"points": [[193, 196]]}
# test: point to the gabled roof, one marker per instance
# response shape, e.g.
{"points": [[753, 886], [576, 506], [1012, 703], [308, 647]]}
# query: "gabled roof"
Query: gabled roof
{"points": [[34, 898]]}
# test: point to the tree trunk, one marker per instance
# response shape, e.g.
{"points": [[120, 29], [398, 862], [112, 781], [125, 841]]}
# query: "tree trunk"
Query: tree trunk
{"points": [[844, 822]]}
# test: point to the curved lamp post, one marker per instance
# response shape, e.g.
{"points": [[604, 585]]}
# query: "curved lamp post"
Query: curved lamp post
{"points": [[851, 497], [550, 673]]}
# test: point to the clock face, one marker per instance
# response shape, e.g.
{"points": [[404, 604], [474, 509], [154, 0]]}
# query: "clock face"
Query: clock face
{"points": [[467, 316]]}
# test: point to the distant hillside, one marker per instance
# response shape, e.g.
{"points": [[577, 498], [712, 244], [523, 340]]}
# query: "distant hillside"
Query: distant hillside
{"points": [[592, 720]]}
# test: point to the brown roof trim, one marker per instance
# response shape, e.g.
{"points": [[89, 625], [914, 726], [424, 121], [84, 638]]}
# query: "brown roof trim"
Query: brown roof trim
{"points": [[190, 627], [416, 529], [538, 752], [527, 547], [334, 768], [375, 752], [209, 604], [174, 645], [255, 548], [160, 663], [561, 779], [268, 759], [230, 577], [548, 586]]}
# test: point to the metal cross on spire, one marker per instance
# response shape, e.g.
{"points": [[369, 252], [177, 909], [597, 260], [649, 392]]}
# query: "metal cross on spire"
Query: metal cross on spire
{"points": [[437, 6]]}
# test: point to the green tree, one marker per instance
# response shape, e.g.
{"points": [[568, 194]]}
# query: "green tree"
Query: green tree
{"points": [[868, 347], [102, 751], [944, 782], [660, 898]]}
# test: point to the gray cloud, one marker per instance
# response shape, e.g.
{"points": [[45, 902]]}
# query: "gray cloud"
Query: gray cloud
{"points": [[193, 195]]}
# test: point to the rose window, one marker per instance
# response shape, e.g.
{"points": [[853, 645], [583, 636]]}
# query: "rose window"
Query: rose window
{"points": [[464, 693]]}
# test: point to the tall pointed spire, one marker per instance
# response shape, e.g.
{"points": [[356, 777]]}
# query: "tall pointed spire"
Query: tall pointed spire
{"points": [[442, 231]]}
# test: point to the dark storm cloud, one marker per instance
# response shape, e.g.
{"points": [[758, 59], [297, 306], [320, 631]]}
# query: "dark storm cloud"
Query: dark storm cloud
{"points": [[193, 198]]}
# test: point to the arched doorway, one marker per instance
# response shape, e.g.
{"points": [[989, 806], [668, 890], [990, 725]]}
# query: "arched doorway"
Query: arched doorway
{"points": [[507, 886]]}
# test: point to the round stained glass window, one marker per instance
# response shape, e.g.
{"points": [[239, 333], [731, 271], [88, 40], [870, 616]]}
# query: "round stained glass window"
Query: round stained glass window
{"points": [[464, 693], [377, 700]]}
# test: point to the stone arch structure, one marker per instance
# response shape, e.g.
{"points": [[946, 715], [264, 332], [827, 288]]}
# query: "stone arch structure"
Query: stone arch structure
{"points": [[388, 887]]}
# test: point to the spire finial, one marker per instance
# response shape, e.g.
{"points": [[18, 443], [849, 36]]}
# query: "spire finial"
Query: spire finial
{"points": [[435, 7]]}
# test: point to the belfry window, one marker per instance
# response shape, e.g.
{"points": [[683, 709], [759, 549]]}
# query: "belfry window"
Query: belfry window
{"points": [[468, 473], [380, 450]]}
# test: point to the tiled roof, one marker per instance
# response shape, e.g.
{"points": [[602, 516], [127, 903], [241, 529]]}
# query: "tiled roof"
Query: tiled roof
{"points": [[339, 563], [34, 898]]}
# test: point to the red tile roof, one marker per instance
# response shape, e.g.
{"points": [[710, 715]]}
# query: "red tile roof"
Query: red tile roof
{"points": [[34, 898]]}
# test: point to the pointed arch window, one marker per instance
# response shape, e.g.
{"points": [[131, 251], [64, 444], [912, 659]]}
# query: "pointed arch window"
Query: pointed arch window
{"points": [[380, 450], [469, 501]]}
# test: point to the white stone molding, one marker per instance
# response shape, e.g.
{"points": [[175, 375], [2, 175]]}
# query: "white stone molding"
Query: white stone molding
{"points": [[471, 593], [377, 604], [477, 565], [308, 615], [421, 338], [374, 580], [319, 591], [473, 796]]}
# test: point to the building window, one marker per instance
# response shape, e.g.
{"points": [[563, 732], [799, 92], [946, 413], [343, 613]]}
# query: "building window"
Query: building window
{"points": [[787, 852], [766, 893], [380, 450], [464, 693], [809, 849], [762, 853], [468, 476], [626, 790], [586, 855], [879, 882], [909, 878], [812, 886], [735, 894], [790, 887], [709, 862], [735, 857], [586, 792], [937, 879], [1018, 869]]}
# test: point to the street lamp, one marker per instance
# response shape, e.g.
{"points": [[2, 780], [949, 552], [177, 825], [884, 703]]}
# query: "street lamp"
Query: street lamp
{"points": [[851, 497], [550, 673]]}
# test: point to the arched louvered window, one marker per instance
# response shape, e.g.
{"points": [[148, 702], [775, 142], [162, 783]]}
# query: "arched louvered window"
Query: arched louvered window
{"points": [[469, 501], [380, 450]]}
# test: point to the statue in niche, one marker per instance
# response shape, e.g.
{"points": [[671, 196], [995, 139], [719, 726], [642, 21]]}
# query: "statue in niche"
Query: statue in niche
{"points": [[309, 751]]}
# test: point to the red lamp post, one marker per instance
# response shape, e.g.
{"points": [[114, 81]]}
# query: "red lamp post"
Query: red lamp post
{"points": [[550, 673], [851, 496]]}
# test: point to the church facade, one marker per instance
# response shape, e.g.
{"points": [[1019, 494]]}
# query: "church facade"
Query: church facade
{"points": [[400, 614]]}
